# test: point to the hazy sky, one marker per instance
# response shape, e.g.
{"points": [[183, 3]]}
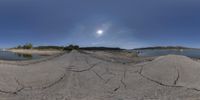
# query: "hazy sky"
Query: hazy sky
{"points": [[118, 23]]}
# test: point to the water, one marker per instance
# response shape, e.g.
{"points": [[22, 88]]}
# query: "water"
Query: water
{"points": [[194, 53], [6, 55]]}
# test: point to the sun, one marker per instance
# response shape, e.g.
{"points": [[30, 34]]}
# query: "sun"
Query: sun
{"points": [[100, 32]]}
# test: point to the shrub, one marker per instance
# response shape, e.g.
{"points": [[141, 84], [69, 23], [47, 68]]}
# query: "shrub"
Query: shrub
{"points": [[71, 47], [28, 46], [19, 47]]}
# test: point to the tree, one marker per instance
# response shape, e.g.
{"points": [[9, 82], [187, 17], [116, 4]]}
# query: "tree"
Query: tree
{"points": [[28, 46], [76, 47], [71, 47], [19, 47]]}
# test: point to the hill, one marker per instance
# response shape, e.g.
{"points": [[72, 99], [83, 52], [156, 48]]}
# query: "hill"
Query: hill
{"points": [[163, 47]]}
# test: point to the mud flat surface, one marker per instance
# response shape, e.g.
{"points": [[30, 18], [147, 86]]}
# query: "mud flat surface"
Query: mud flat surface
{"points": [[88, 76], [34, 51]]}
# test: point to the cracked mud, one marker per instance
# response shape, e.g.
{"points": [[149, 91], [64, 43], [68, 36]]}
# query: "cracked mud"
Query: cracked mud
{"points": [[85, 76]]}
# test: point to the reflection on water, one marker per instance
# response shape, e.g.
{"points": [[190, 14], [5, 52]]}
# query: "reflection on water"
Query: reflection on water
{"points": [[195, 53], [28, 56], [6, 55]]}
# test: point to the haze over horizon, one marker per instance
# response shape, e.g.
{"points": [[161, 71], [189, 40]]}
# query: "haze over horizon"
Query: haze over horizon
{"points": [[115, 23]]}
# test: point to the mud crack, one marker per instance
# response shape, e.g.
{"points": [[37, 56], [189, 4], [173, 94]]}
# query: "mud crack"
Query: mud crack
{"points": [[54, 83], [177, 78], [154, 81], [99, 75], [87, 69]]}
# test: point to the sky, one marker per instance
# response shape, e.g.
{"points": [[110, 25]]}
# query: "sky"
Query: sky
{"points": [[114, 23]]}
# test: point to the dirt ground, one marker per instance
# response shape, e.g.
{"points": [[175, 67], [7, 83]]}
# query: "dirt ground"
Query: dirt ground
{"points": [[93, 76]]}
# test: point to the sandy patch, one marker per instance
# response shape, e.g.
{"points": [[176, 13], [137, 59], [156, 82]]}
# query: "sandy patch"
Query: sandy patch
{"points": [[40, 52]]}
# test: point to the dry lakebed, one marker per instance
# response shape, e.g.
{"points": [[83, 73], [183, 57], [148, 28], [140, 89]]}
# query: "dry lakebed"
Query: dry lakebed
{"points": [[100, 75]]}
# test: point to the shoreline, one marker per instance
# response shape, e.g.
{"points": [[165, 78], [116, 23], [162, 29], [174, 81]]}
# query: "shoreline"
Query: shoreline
{"points": [[35, 51], [33, 61]]}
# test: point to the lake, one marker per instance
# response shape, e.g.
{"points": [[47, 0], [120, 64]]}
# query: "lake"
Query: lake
{"points": [[7, 55], [194, 53]]}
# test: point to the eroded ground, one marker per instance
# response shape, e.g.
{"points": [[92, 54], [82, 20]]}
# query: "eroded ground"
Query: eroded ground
{"points": [[91, 76]]}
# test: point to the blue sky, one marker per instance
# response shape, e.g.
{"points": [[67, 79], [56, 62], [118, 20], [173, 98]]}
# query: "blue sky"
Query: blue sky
{"points": [[125, 23]]}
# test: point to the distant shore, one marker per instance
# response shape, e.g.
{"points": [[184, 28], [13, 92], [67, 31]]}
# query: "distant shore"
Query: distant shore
{"points": [[35, 51]]}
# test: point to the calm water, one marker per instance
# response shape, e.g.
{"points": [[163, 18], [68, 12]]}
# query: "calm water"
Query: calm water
{"points": [[195, 53], [6, 55]]}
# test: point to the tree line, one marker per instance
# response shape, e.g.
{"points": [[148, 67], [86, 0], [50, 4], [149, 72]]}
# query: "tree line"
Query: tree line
{"points": [[26, 46], [30, 46], [69, 47]]}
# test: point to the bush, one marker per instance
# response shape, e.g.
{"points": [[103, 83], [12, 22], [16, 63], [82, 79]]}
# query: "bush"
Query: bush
{"points": [[49, 47], [19, 47], [28, 46], [71, 47]]}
